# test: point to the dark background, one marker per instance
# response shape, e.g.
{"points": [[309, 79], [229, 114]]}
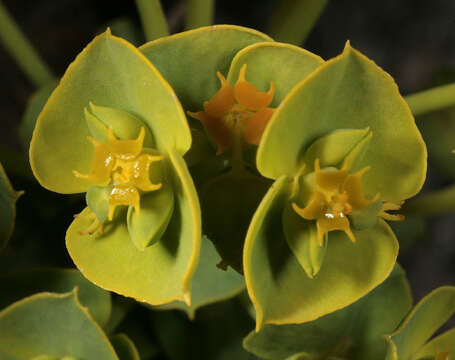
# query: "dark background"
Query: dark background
{"points": [[413, 40]]}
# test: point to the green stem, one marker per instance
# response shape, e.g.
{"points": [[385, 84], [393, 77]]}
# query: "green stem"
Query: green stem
{"points": [[153, 20], [432, 204], [199, 13], [433, 99], [18, 46], [237, 151], [293, 20]]}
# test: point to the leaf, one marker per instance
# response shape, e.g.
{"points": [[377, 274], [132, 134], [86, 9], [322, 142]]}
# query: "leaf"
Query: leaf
{"points": [[109, 72], [279, 288], [54, 325], [349, 92], [443, 342], [124, 347], [333, 148], [160, 273], [189, 60], [354, 332], [147, 227], [34, 106], [422, 322], [284, 64], [301, 236], [16, 286], [8, 198], [228, 203], [210, 284]]}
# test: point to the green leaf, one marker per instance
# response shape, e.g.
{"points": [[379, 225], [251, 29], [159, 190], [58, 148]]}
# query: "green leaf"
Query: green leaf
{"points": [[34, 106], [444, 342], [284, 64], [426, 317], [281, 291], [301, 236], [124, 347], [125, 126], [189, 60], [109, 72], [366, 217], [54, 325], [16, 286], [160, 273], [8, 198], [349, 92], [354, 332], [228, 203], [97, 198], [210, 284], [148, 227], [333, 148]]}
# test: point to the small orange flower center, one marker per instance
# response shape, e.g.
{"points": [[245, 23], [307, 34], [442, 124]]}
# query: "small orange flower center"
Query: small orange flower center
{"points": [[125, 165], [239, 109]]}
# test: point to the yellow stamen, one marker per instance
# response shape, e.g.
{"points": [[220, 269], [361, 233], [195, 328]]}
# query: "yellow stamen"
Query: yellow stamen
{"points": [[387, 206], [95, 227]]}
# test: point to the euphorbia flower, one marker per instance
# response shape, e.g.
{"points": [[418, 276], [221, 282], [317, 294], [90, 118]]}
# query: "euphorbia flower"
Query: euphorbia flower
{"points": [[343, 149], [124, 165], [234, 111], [114, 129]]}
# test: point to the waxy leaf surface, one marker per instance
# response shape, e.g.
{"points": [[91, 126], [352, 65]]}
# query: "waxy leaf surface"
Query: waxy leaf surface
{"points": [[278, 286], [109, 72], [189, 60], [159, 274], [349, 92], [54, 325], [16, 286], [354, 332]]}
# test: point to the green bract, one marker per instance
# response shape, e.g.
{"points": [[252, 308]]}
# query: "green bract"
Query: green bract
{"points": [[16, 286], [114, 128], [352, 152], [411, 341], [8, 198], [354, 333], [51, 326]]}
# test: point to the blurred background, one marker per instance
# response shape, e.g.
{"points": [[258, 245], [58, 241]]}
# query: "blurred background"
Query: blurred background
{"points": [[413, 40]]}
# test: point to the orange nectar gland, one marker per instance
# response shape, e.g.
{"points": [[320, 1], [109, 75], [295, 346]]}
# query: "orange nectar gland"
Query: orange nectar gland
{"points": [[337, 193], [442, 355], [124, 165], [242, 109]]}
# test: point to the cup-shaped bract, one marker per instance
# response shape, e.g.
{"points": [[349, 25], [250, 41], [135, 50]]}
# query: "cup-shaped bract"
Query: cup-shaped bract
{"points": [[318, 242], [115, 129], [413, 340], [52, 326]]}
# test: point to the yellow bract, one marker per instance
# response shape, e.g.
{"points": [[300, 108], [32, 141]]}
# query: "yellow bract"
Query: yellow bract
{"points": [[335, 195], [239, 109], [124, 165]]}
